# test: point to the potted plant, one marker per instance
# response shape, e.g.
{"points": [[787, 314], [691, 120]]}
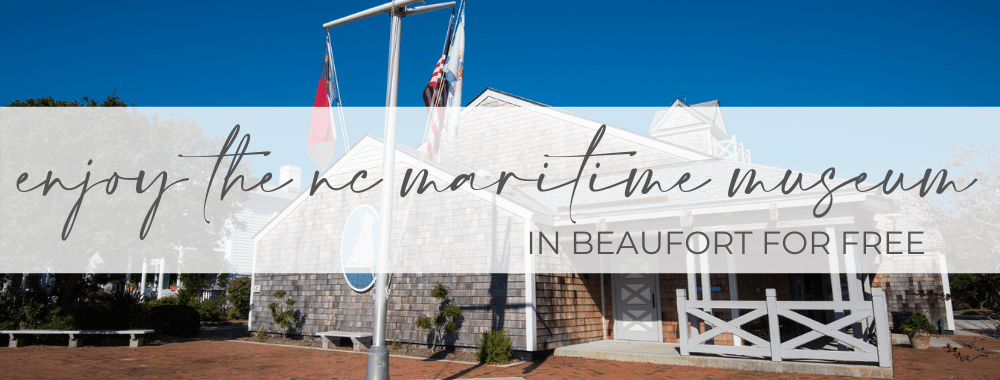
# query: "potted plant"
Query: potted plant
{"points": [[918, 328], [173, 286]]}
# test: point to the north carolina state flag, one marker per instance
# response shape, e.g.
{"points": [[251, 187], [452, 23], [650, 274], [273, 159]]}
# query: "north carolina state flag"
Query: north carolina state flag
{"points": [[322, 134]]}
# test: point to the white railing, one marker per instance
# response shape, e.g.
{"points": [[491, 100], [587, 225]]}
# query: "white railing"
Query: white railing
{"points": [[728, 149], [862, 348], [218, 295]]}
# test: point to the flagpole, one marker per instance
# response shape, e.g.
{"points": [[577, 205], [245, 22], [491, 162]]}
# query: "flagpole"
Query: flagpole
{"points": [[378, 354]]}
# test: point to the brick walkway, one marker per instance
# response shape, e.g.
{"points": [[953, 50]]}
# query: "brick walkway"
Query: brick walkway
{"points": [[223, 359]]}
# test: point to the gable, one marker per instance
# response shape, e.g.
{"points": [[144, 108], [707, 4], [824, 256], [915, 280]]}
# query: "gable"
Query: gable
{"points": [[682, 118], [501, 132]]}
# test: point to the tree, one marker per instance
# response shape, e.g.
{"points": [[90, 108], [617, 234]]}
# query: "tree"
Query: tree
{"points": [[966, 226], [968, 222], [444, 323], [238, 295], [69, 283], [978, 290], [283, 315], [111, 101], [194, 283], [98, 138]]}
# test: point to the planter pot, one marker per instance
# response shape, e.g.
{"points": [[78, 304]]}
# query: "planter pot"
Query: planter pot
{"points": [[173, 287], [920, 341]]}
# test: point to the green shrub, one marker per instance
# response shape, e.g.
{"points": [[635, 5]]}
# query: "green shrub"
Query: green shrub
{"points": [[915, 323], [208, 310], [16, 313], [59, 319], [444, 322], [283, 315], [494, 348], [238, 295], [92, 316], [172, 300], [179, 320], [125, 309]]}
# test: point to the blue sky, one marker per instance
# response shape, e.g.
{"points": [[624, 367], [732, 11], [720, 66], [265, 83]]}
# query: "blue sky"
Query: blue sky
{"points": [[567, 54], [579, 53]]}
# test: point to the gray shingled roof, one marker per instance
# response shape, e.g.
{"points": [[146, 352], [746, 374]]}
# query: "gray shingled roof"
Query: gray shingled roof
{"points": [[719, 171], [454, 168]]}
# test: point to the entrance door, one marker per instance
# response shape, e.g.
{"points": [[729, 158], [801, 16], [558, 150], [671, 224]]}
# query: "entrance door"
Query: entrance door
{"points": [[637, 307]]}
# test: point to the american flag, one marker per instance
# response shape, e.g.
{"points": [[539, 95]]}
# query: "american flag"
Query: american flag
{"points": [[436, 97]]}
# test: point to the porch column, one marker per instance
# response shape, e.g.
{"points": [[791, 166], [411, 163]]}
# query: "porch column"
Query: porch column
{"points": [[854, 283], [834, 269], [180, 264], [835, 277], [734, 295], [159, 280], [687, 223], [706, 280], [142, 281], [946, 290], [701, 244]]}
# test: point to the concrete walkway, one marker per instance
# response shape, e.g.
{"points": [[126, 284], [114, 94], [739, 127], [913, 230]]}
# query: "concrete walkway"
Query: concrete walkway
{"points": [[666, 353], [936, 341], [972, 325]]}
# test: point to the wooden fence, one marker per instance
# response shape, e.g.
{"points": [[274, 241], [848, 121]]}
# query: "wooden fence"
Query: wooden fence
{"points": [[872, 344]]}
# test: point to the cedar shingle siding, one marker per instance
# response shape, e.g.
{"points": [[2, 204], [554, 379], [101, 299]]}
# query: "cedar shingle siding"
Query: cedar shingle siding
{"points": [[326, 303]]}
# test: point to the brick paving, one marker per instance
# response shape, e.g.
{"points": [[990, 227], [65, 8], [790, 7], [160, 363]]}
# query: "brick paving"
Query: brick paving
{"points": [[211, 359]]}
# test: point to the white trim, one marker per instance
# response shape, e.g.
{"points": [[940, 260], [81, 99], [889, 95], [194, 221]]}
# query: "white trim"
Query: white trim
{"points": [[657, 131], [530, 317], [658, 123], [616, 306], [343, 265], [253, 281], [591, 124], [716, 131], [946, 290], [366, 141]]}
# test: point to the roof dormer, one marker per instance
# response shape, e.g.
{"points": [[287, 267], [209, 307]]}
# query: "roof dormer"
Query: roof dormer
{"points": [[699, 127]]}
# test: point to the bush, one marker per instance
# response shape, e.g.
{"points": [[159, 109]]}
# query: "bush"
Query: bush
{"points": [[59, 319], [446, 322], [179, 320], [172, 300], [238, 295], [208, 310], [125, 309], [93, 316], [494, 348], [915, 323], [18, 314], [284, 316]]}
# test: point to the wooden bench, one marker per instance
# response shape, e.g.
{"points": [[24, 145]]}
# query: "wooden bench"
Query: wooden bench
{"points": [[136, 335], [359, 339]]}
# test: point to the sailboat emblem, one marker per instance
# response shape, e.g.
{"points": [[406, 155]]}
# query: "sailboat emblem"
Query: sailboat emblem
{"points": [[358, 245]]}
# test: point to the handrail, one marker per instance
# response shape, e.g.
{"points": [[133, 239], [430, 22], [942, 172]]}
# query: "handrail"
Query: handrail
{"points": [[728, 149], [862, 347]]}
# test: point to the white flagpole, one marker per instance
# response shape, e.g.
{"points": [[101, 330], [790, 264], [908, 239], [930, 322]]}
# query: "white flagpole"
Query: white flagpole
{"points": [[378, 355]]}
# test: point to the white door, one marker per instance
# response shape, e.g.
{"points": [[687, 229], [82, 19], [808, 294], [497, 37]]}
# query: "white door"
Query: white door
{"points": [[637, 307]]}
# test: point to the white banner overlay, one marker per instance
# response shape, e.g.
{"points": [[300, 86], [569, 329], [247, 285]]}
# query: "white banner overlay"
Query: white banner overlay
{"points": [[520, 188]]}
